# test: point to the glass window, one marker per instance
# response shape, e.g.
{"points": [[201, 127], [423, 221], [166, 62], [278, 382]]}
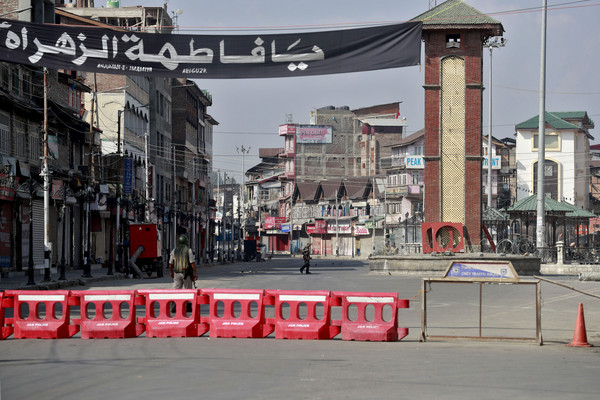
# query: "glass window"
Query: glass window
{"points": [[552, 141]]}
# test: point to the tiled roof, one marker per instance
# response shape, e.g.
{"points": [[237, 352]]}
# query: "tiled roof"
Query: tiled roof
{"points": [[356, 187], [307, 190], [557, 120], [529, 204], [330, 187], [456, 12]]}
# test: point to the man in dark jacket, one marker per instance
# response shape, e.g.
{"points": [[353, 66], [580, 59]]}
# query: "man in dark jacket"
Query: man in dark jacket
{"points": [[306, 257]]}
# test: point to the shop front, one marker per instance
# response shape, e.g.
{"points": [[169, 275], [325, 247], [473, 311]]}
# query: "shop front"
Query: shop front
{"points": [[276, 235]]}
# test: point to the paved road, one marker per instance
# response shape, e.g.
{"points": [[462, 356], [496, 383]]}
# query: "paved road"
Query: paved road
{"points": [[268, 368]]}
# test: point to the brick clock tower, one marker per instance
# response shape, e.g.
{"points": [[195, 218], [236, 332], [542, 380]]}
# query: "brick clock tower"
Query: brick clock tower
{"points": [[454, 34]]}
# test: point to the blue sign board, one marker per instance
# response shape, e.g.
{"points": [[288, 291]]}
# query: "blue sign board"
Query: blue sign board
{"points": [[481, 270], [285, 228], [128, 175]]}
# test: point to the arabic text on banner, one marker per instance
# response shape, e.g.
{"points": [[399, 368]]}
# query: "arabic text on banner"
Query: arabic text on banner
{"points": [[210, 56]]}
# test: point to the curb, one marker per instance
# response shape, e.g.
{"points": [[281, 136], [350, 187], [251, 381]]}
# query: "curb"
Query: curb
{"points": [[81, 281]]}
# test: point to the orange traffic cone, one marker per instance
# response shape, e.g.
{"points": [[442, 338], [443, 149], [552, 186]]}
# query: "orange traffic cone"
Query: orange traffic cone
{"points": [[580, 336]]}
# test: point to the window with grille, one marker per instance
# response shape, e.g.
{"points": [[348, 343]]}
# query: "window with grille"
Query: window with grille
{"points": [[4, 133]]}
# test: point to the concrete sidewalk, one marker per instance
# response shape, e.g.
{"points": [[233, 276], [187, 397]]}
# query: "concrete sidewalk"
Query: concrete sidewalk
{"points": [[17, 280]]}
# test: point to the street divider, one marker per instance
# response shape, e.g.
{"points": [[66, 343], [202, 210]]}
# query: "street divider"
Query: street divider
{"points": [[232, 313], [107, 314], [41, 315], [301, 314], [5, 329], [370, 316], [172, 313], [237, 313]]}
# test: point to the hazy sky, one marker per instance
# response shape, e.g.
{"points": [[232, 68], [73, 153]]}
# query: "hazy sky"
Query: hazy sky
{"points": [[249, 111]]}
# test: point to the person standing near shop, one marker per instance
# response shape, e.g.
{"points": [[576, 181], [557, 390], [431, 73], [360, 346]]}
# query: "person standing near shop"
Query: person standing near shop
{"points": [[182, 265], [306, 257]]}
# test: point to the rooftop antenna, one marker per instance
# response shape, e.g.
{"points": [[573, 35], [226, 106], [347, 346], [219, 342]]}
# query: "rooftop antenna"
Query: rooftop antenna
{"points": [[432, 4]]}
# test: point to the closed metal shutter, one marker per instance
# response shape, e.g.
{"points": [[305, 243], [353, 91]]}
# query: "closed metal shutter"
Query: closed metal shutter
{"points": [[38, 233]]}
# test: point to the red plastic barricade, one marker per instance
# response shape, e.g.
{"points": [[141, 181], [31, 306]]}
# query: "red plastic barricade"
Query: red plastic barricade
{"points": [[363, 325], [309, 315], [42, 315], [107, 314], [5, 330], [237, 313], [162, 321]]}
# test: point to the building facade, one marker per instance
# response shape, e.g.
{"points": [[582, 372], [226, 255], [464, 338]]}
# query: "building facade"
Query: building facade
{"points": [[567, 152]]}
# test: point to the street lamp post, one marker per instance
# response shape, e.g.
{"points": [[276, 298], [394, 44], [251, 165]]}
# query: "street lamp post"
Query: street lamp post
{"points": [[541, 206], [491, 44]]}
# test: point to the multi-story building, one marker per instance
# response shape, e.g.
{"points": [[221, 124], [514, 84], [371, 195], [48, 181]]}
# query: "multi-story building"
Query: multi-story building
{"points": [[503, 172], [227, 237], [147, 110], [403, 195], [567, 151], [324, 148], [130, 135], [22, 117], [134, 115], [190, 104], [377, 129], [267, 204]]}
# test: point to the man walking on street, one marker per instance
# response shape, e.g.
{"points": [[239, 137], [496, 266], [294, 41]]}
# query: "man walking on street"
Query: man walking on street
{"points": [[182, 265], [306, 257]]}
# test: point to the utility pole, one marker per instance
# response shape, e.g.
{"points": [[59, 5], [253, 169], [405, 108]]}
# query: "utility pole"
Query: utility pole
{"points": [[30, 271], [118, 216], [337, 226], [374, 222], [86, 198], [148, 194], [174, 202], [292, 224], [242, 193], [541, 220], [385, 228], [193, 231], [219, 245], [46, 175], [63, 265], [224, 220]]}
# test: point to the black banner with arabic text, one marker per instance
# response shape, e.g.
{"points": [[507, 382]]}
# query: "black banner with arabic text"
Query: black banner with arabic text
{"points": [[210, 56]]}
